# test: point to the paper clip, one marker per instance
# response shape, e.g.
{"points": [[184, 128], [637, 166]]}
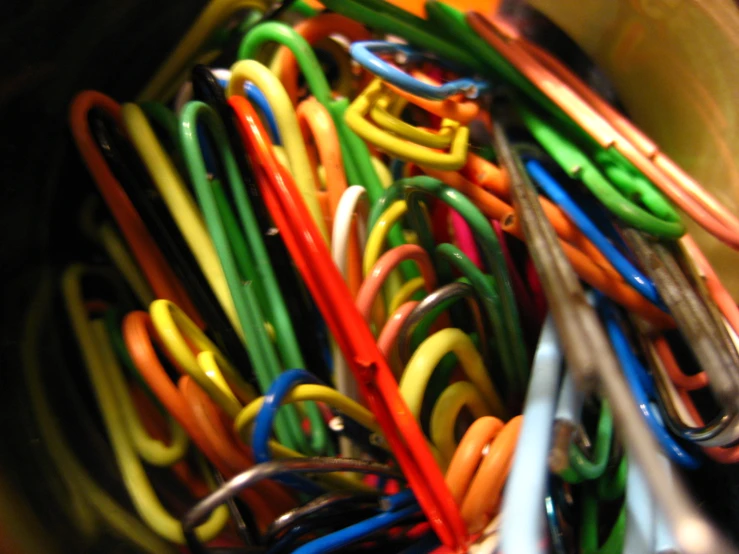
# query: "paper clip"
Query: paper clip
{"points": [[671, 496], [608, 128], [526, 488], [315, 31], [173, 71], [717, 358], [148, 255], [368, 53], [299, 306], [265, 471], [370, 368], [403, 149], [107, 382], [140, 336], [506, 328], [249, 308]]}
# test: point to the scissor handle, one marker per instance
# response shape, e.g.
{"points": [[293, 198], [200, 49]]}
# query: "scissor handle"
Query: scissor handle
{"points": [[367, 54]]}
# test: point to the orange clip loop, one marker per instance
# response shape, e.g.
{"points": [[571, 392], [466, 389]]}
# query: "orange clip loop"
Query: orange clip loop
{"points": [[314, 30], [385, 265], [322, 144], [140, 336]]}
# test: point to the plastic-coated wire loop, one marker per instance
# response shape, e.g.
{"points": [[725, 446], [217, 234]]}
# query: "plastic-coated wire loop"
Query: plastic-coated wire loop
{"points": [[369, 366], [367, 54], [506, 324], [627, 270], [266, 471], [635, 374], [264, 358]]}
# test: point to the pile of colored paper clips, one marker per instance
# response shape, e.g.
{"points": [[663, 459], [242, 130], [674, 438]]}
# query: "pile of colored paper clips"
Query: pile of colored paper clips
{"points": [[388, 284]]}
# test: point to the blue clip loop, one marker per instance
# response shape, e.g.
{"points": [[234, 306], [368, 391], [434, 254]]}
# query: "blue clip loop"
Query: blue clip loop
{"points": [[255, 95], [264, 421], [367, 54], [635, 374], [626, 269]]}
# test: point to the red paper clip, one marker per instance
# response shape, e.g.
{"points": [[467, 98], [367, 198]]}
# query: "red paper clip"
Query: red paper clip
{"points": [[350, 331]]}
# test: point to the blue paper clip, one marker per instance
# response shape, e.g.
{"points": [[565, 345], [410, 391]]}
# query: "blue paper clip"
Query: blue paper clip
{"points": [[558, 195], [635, 374], [399, 507], [255, 95], [264, 421], [367, 54]]}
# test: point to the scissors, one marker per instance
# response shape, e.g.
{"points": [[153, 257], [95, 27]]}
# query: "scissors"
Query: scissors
{"points": [[352, 335]]}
